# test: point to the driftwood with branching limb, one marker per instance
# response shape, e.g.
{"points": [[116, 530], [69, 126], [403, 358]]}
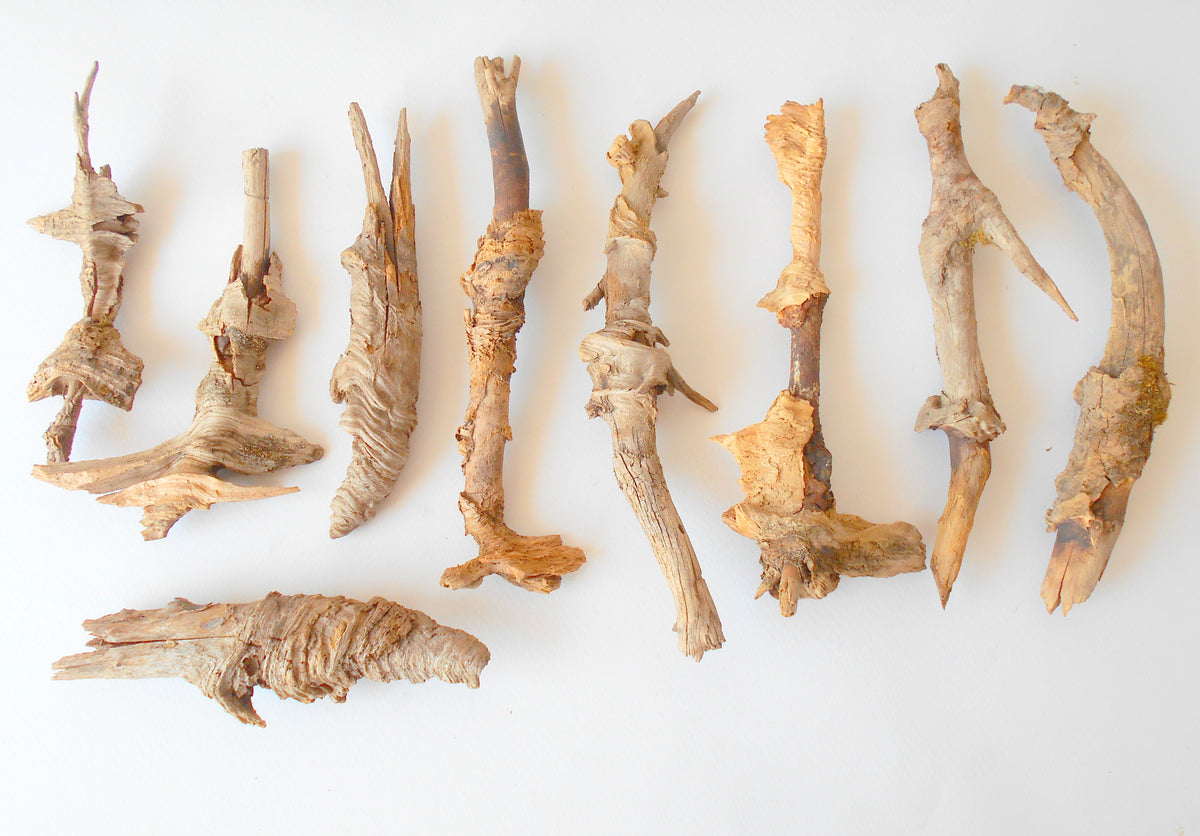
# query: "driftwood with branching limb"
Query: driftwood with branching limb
{"points": [[786, 468], [90, 363], [1125, 397], [178, 475], [302, 647], [505, 260], [630, 369], [963, 213], [377, 376]]}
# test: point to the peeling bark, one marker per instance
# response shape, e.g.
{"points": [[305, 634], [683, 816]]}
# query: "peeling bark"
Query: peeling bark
{"points": [[302, 647], [963, 213], [377, 376], [1124, 398], [505, 260], [90, 363], [786, 468], [178, 475], [629, 370]]}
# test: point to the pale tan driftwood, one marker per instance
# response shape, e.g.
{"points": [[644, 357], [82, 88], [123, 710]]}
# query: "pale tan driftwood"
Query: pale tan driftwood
{"points": [[302, 647], [90, 363], [786, 468], [377, 376], [962, 214], [505, 260], [629, 370], [1124, 398], [178, 475]]}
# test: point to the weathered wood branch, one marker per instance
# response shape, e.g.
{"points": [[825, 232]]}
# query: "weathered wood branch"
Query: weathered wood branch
{"points": [[1125, 397], [302, 647], [377, 376], [504, 263], [178, 475], [963, 213], [786, 468], [90, 363], [629, 370]]}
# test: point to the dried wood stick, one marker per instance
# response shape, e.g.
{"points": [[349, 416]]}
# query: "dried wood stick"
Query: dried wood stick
{"points": [[505, 260], [178, 475], [629, 370], [377, 376], [302, 647], [786, 468], [90, 363], [1124, 398], [962, 214]]}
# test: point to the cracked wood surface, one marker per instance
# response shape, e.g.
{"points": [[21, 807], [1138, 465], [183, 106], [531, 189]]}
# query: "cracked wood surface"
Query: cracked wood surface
{"points": [[504, 263], [302, 647], [90, 363], [1125, 397], [630, 369]]}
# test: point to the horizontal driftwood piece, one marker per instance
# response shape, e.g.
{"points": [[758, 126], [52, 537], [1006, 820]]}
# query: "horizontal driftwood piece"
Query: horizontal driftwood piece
{"points": [[302, 647]]}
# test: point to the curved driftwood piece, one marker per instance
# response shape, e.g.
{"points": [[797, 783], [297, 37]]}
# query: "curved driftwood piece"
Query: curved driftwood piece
{"points": [[302, 647], [962, 214], [90, 363], [786, 468], [629, 370], [505, 260], [176, 476], [377, 376], [1124, 398]]}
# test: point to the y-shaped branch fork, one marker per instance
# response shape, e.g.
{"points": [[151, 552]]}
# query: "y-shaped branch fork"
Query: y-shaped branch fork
{"points": [[962, 213], [629, 371], [1124, 398]]}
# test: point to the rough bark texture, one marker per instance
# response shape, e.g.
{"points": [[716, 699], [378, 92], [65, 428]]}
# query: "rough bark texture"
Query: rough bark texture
{"points": [[786, 468], [90, 363], [377, 376], [302, 647], [963, 213], [629, 370], [176, 476], [505, 260], [1124, 398]]}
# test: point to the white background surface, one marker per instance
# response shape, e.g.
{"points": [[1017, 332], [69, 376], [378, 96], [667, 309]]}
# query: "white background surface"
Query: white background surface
{"points": [[869, 712]]}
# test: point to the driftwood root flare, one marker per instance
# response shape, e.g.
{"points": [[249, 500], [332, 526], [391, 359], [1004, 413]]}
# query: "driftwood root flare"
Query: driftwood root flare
{"points": [[963, 213], [630, 369], [302, 647], [377, 376], [786, 468], [1125, 397], [90, 363], [177, 476], [505, 259]]}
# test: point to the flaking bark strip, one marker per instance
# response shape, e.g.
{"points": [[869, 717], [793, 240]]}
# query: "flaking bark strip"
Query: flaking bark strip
{"points": [[377, 377], [630, 369], [786, 468], [963, 213], [505, 260], [90, 363], [1125, 397], [178, 475], [302, 647]]}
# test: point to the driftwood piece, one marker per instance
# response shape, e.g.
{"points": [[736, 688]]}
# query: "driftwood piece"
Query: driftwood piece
{"points": [[505, 260], [377, 376], [963, 213], [302, 647], [630, 369], [786, 467], [1125, 397], [90, 363], [177, 476]]}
